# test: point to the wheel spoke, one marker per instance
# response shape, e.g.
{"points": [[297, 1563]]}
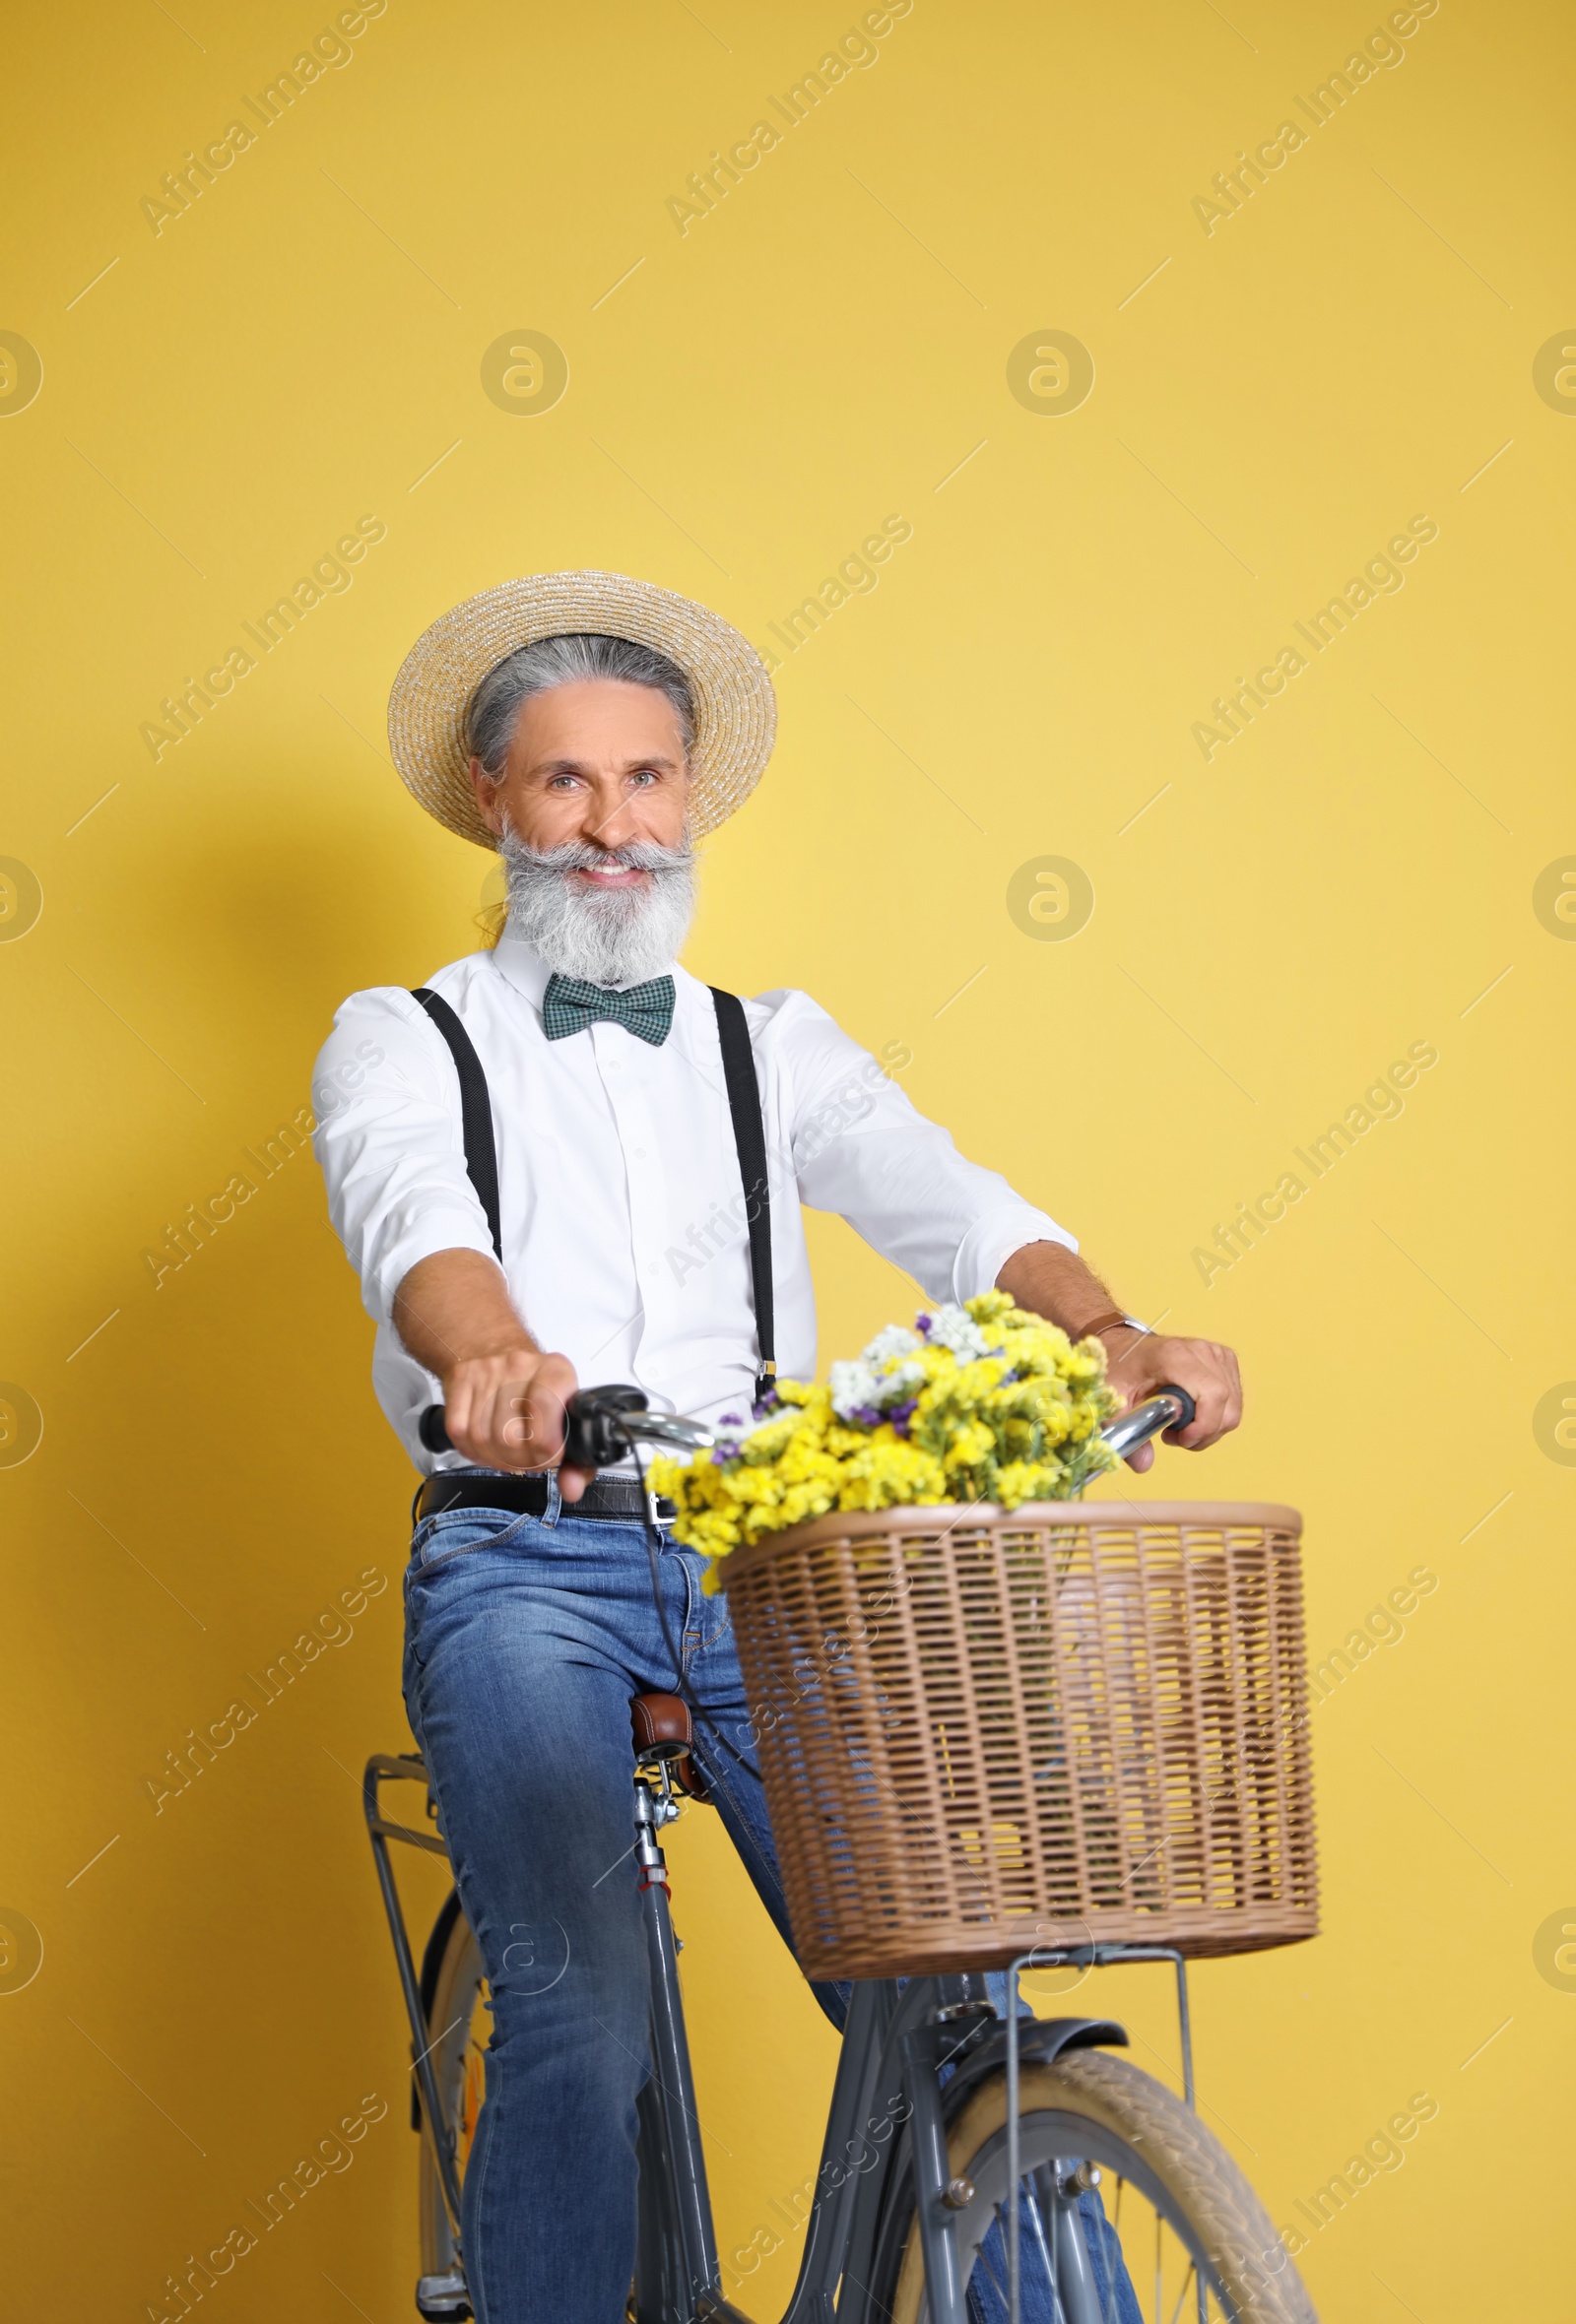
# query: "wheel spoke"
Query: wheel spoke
{"points": [[1057, 2310], [1192, 2269], [996, 2284], [1111, 2254], [1111, 2261]]}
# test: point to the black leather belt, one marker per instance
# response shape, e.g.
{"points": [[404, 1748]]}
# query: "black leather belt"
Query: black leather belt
{"points": [[527, 1496]]}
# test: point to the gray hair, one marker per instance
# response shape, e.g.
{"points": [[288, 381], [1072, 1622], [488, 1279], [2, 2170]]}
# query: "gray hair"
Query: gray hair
{"points": [[493, 709]]}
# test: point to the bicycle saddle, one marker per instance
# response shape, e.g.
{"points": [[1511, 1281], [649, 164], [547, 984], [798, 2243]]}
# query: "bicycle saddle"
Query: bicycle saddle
{"points": [[663, 1728]]}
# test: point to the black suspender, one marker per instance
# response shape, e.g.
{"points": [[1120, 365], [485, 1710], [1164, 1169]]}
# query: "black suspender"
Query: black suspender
{"points": [[748, 1134], [476, 1111]]}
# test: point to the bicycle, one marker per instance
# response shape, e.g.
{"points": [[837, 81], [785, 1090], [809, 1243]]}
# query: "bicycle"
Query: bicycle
{"points": [[941, 2103]]}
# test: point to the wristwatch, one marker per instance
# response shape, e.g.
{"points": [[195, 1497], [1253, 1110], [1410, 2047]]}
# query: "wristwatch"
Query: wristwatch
{"points": [[1114, 1320]]}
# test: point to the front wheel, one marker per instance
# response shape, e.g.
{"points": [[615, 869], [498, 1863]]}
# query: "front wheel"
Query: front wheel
{"points": [[1122, 2187]]}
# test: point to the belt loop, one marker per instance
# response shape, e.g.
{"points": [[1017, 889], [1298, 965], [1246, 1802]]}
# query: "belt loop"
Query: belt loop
{"points": [[554, 1507]]}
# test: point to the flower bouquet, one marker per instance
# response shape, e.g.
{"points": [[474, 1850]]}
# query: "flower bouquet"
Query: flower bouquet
{"points": [[981, 1402]]}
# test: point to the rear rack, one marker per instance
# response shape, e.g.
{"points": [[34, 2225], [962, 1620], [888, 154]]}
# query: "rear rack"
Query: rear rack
{"points": [[410, 1766]]}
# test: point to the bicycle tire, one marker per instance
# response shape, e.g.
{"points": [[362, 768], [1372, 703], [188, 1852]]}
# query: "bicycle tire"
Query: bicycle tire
{"points": [[1094, 2106], [455, 1994], [437, 1944]]}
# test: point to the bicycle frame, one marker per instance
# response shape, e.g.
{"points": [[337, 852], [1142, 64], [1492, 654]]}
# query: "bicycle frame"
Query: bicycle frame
{"points": [[911, 2057]]}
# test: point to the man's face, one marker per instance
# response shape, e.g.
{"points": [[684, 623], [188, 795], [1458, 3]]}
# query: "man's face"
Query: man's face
{"points": [[596, 761]]}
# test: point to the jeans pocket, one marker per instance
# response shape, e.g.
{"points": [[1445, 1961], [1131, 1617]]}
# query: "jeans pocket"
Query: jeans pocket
{"points": [[441, 1546], [698, 1605], [453, 1531]]}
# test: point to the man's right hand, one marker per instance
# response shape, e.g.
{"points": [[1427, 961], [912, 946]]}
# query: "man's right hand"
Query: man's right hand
{"points": [[504, 1399], [507, 1410]]}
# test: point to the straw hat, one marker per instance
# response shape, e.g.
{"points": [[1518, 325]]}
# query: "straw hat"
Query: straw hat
{"points": [[735, 709]]}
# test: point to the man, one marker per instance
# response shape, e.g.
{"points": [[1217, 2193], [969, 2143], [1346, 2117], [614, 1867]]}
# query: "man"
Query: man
{"points": [[590, 727]]}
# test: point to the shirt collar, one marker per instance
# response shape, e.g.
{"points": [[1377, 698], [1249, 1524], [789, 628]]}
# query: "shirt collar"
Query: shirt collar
{"points": [[527, 971]]}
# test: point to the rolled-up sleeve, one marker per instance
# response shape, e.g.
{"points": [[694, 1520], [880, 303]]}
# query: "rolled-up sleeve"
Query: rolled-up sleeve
{"points": [[861, 1149], [389, 1143]]}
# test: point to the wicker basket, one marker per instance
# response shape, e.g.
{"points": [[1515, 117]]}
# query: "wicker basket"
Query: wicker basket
{"points": [[1063, 1724]]}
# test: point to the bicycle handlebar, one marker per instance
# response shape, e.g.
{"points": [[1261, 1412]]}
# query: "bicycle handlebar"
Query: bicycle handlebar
{"points": [[604, 1422], [1168, 1407], [601, 1424]]}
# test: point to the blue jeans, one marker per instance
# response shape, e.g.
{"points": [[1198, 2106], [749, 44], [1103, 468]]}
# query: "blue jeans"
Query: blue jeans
{"points": [[525, 1637], [524, 1640]]}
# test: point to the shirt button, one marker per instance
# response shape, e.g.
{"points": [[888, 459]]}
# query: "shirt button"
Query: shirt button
{"points": [[639, 1153]]}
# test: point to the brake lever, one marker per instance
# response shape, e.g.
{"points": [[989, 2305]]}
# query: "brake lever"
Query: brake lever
{"points": [[606, 1422], [673, 1427]]}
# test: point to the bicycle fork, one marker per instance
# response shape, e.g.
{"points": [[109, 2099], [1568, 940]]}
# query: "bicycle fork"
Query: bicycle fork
{"points": [[939, 2199]]}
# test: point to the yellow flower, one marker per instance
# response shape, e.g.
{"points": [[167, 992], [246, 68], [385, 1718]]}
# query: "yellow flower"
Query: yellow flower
{"points": [[981, 1403]]}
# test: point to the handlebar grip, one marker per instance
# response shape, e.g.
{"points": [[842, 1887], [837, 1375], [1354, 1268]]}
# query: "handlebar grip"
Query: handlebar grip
{"points": [[1189, 1407], [592, 1436], [1167, 1409], [586, 1441]]}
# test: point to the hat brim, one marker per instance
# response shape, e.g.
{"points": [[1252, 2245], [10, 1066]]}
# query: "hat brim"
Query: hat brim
{"points": [[735, 706]]}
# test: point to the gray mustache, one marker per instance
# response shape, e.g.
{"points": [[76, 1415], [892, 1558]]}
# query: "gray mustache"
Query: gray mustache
{"points": [[578, 854]]}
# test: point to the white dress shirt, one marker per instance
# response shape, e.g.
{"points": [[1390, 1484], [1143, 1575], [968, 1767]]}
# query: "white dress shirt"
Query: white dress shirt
{"points": [[624, 1241]]}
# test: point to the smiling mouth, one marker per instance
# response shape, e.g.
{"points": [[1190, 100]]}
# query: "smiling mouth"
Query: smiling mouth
{"points": [[610, 876]]}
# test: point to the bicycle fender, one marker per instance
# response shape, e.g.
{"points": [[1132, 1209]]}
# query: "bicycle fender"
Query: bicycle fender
{"points": [[1040, 2042]]}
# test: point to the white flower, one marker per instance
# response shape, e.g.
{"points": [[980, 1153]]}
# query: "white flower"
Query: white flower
{"points": [[895, 1340], [853, 1387], [952, 1328], [900, 1379], [878, 1378]]}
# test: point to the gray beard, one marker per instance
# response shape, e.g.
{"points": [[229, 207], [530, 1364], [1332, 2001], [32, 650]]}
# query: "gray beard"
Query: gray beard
{"points": [[621, 937]]}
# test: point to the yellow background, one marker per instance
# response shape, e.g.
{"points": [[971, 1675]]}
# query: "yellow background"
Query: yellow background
{"points": [[1353, 874]]}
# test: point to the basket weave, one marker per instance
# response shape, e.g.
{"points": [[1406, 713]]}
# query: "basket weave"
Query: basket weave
{"points": [[1063, 1724]]}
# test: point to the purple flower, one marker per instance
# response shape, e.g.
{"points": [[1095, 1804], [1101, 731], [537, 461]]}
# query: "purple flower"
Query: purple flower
{"points": [[730, 1420], [922, 1322]]}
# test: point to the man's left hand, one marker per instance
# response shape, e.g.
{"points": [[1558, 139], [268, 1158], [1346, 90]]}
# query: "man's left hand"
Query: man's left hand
{"points": [[1141, 1362]]}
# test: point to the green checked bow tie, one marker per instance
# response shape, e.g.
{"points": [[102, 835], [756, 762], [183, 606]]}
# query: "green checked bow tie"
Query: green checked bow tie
{"points": [[645, 1010]]}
